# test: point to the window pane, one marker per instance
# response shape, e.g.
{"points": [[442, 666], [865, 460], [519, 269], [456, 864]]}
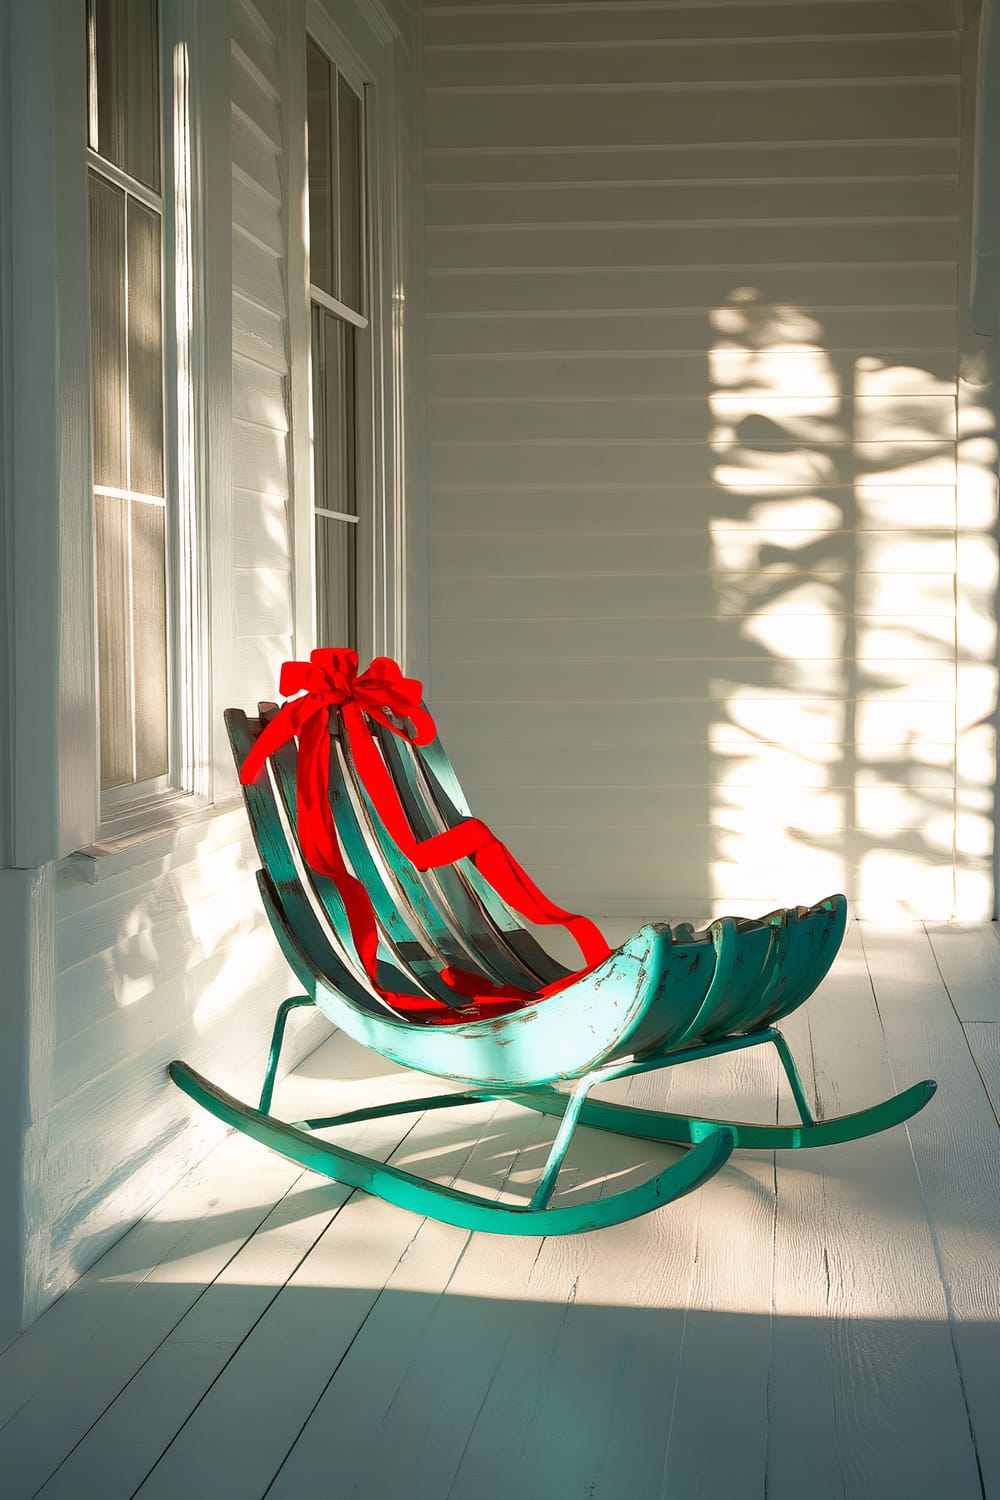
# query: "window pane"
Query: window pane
{"points": [[334, 418], [350, 174], [149, 627], [320, 123], [114, 664], [124, 49], [145, 351], [107, 331], [336, 582]]}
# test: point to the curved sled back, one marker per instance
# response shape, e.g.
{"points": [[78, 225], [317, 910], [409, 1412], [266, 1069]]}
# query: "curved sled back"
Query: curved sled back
{"points": [[742, 974], [608, 1014], [773, 963]]}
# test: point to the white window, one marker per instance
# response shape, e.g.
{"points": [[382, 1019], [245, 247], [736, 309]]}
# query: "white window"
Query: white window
{"points": [[126, 260], [340, 346], [142, 409]]}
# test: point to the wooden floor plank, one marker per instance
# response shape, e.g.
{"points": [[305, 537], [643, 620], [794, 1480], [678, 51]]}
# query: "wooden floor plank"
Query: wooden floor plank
{"points": [[954, 1143], [90, 1372], [572, 1364], [527, 1311], [968, 956], [726, 1347], [132, 1434], [470, 1351], [366, 1409], [592, 1368], [66, 1327], [871, 1313], [424, 1419], [983, 1038], [285, 1363], [598, 1324]]}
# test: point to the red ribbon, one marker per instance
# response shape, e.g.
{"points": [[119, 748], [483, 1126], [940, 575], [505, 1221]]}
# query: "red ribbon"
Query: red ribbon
{"points": [[330, 680]]}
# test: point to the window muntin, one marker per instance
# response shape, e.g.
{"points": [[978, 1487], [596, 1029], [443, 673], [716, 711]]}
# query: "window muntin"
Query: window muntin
{"points": [[127, 395], [339, 325]]}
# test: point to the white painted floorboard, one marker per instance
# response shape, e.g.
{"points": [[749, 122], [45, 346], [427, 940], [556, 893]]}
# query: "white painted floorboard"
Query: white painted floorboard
{"points": [[810, 1323]]}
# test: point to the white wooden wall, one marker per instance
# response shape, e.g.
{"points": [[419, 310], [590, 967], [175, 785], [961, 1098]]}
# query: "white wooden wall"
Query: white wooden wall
{"points": [[162, 949], [168, 955], [691, 280]]}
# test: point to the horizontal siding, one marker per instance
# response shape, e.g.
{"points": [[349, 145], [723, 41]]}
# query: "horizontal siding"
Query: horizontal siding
{"points": [[254, 37], [627, 810], [667, 596], [692, 441], [744, 242], [767, 765], [651, 330], [259, 394], [259, 333], [262, 599], [600, 461], [599, 24], [260, 460], [255, 161], [561, 679], [540, 529], [629, 374], [692, 112], [772, 716], [256, 215], [257, 267], [761, 636], [261, 530], [658, 63], [254, 104], [734, 162], [671, 289]]}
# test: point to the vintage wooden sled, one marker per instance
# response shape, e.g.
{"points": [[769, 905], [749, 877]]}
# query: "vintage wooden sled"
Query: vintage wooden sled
{"points": [[432, 965]]}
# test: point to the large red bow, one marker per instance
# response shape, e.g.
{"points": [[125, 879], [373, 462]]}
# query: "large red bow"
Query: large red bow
{"points": [[329, 680]]}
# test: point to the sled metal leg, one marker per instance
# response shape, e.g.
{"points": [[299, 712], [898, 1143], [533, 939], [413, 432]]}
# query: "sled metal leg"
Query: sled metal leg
{"points": [[543, 1192], [277, 1037], [684, 1130], [581, 1109], [400, 1107], [676, 1129], [792, 1074]]}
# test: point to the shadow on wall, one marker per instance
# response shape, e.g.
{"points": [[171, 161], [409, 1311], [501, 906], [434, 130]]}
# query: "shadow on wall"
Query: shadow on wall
{"points": [[853, 555]]}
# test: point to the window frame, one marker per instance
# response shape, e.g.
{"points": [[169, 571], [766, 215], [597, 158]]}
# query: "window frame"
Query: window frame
{"points": [[121, 805], [129, 811]]}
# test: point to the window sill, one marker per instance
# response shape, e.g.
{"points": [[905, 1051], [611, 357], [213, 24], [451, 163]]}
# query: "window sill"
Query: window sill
{"points": [[177, 834]]}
